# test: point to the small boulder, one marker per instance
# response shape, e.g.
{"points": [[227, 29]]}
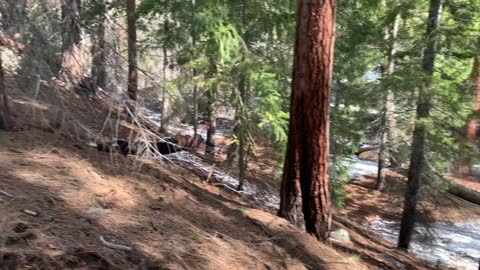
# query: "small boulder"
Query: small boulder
{"points": [[340, 235]]}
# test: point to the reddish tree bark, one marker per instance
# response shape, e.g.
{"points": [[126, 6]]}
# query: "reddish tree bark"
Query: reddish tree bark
{"points": [[469, 132], [471, 129], [132, 50], [308, 142], [290, 188]]}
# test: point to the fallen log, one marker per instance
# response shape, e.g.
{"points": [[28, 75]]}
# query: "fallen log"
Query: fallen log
{"points": [[366, 148], [465, 193]]}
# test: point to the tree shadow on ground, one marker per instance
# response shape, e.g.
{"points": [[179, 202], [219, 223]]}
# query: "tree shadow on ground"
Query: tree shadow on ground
{"points": [[54, 236], [163, 228]]}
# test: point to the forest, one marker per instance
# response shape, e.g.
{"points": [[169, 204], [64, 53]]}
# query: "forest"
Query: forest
{"points": [[240, 134]]}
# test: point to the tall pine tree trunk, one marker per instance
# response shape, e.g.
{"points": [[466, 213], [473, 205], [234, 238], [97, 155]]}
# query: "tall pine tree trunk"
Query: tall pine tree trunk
{"points": [[308, 146], [387, 139], [417, 160], [4, 109], [132, 50]]}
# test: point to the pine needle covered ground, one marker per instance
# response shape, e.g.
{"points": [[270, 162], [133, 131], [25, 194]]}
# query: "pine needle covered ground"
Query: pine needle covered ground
{"points": [[70, 204]]}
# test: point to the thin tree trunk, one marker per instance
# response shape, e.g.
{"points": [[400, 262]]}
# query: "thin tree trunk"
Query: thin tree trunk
{"points": [[417, 160], [308, 142], [132, 50], [382, 155], [165, 100], [212, 123], [100, 55], [241, 133], [195, 109], [232, 148], [4, 109], [242, 128], [391, 125], [71, 10], [194, 72], [387, 139]]}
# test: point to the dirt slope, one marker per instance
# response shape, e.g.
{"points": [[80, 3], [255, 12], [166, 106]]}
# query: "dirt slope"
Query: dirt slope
{"points": [[169, 218], [66, 196]]}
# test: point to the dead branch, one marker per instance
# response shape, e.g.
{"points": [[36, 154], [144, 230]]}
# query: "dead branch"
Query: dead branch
{"points": [[2, 192], [115, 246], [30, 212]]}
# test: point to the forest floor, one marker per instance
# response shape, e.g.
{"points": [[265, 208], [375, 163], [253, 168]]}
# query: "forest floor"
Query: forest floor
{"points": [[364, 202], [65, 196], [447, 231], [63, 204], [471, 182]]}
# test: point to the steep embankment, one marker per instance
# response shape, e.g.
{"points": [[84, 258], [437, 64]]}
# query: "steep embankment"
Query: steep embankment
{"points": [[64, 205], [74, 195]]}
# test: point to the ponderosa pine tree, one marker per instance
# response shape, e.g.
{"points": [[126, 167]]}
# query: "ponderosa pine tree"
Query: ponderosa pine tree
{"points": [[308, 141], [132, 50], [418, 164]]}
